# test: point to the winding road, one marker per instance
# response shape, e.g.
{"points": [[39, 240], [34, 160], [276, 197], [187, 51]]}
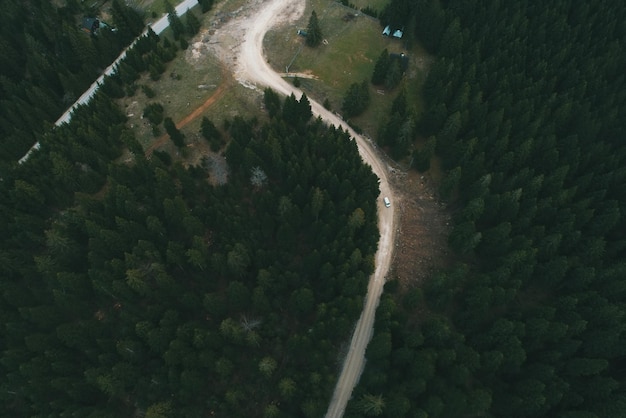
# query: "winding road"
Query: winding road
{"points": [[252, 69]]}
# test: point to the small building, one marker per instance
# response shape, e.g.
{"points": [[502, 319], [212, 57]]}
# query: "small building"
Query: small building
{"points": [[397, 34], [90, 25], [387, 30], [302, 33]]}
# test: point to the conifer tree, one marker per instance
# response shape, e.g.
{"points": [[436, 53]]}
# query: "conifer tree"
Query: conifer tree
{"points": [[175, 135], [313, 31], [356, 99], [381, 68], [193, 24], [206, 5], [178, 29]]}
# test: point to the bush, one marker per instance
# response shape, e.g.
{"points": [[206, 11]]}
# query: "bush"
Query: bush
{"points": [[154, 113], [356, 100], [148, 91]]}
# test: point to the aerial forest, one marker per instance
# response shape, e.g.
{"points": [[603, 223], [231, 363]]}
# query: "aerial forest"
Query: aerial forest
{"points": [[525, 106], [142, 287], [48, 60], [138, 286]]}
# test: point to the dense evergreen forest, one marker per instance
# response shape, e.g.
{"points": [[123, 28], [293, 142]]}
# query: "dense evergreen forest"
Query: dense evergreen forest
{"points": [[525, 106], [47, 61], [141, 289]]}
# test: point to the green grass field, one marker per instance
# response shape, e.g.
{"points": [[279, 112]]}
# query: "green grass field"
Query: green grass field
{"points": [[185, 85], [349, 54], [352, 48]]}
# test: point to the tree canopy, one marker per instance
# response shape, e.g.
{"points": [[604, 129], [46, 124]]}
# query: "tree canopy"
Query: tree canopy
{"points": [[525, 108], [47, 62], [139, 288]]}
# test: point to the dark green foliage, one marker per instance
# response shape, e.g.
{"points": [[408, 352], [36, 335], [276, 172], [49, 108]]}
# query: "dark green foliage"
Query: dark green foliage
{"points": [[177, 26], [394, 74], [528, 322], [127, 20], [314, 34], [127, 73], [192, 23], [176, 136], [389, 69], [155, 63], [296, 81], [356, 99], [381, 68], [398, 131], [297, 112], [206, 5], [271, 99], [423, 19], [423, 155], [47, 62], [148, 91], [136, 287], [154, 113], [112, 86], [211, 134]]}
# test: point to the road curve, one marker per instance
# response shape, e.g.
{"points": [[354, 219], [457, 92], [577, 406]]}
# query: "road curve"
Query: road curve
{"points": [[252, 68]]}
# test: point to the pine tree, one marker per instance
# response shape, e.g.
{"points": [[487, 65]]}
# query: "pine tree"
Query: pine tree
{"points": [[394, 75], [271, 99], [193, 24], [371, 405], [304, 109], [175, 135], [313, 31], [178, 29], [381, 68], [127, 20], [206, 5], [356, 99]]}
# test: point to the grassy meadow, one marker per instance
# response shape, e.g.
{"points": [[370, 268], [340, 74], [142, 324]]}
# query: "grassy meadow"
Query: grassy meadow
{"points": [[354, 42]]}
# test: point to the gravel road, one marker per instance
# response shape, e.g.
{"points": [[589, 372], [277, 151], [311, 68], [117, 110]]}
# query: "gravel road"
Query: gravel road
{"points": [[252, 70]]}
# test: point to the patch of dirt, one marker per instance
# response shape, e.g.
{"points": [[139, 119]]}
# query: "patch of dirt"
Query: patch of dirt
{"points": [[228, 28], [305, 74], [421, 239], [199, 49]]}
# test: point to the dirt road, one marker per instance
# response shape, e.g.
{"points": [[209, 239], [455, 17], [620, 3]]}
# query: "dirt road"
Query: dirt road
{"points": [[252, 70]]}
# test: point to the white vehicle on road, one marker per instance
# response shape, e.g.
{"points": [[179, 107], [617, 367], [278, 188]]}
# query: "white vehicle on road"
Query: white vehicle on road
{"points": [[252, 69]]}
